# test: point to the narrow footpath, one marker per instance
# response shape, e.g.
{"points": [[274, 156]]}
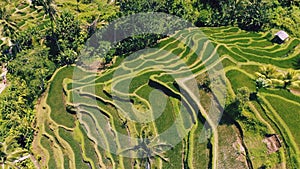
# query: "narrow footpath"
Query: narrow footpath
{"points": [[3, 85]]}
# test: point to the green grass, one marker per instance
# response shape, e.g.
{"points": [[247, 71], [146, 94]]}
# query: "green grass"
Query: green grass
{"points": [[48, 130], [231, 30], [89, 148], [253, 139], [226, 62], [227, 153], [222, 50], [98, 91], [175, 157], [56, 99], [250, 68], [284, 63], [291, 147], [234, 41], [201, 153], [102, 120], [47, 145], [278, 53], [140, 80], [56, 96], [260, 44], [195, 54], [66, 161], [167, 118], [69, 137], [289, 113], [283, 93], [258, 151], [238, 80], [94, 133]]}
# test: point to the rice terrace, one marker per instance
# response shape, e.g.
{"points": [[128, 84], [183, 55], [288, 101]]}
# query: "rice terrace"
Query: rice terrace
{"points": [[68, 140], [205, 84]]}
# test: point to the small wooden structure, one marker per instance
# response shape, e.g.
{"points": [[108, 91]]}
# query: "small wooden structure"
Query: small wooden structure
{"points": [[280, 37]]}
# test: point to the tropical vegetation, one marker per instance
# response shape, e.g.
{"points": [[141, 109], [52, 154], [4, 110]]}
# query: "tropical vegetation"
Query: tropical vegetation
{"points": [[52, 118]]}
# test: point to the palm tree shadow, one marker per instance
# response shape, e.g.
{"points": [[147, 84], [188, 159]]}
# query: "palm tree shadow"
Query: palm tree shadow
{"points": [[148, 148], [296, 64]]}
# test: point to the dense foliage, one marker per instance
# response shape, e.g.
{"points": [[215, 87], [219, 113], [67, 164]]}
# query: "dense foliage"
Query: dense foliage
{"points": [[32, 54], [250, 15]]}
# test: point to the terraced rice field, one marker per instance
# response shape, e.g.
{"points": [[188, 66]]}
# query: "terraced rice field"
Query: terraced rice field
{"points": [[152, 95], [15, 18], [19, 15]]}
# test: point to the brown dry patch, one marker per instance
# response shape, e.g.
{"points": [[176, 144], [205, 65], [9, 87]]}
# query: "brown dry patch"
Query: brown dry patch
{"points": [[97, 66], [37, 150], [238, 146], [231, 150], [273, 143], [295, 92]]}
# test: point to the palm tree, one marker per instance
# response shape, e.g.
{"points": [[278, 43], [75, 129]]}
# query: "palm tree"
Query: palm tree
{"points": [[289, 77], [148, 147], [9, 153], [9, 27], [297, 64], [267, 72], [49, 9]]}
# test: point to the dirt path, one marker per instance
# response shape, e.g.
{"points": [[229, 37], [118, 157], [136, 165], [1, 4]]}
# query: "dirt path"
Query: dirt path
{"points": [[35, 162], [296, 92], [257, 114], [21, 159], [210, 121], [240, 133], [40, 119], [2, 87]]}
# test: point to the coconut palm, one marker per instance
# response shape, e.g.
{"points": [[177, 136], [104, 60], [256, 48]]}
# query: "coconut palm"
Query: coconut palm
{"points": [[8, 26], [9, 153], [268, 72], [148, 148], [297, 64], [289, 77], [48, 6]]}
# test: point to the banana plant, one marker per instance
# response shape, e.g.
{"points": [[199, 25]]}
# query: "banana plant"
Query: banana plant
{"points": [[289, 78], [267, 72], [10, 153]]}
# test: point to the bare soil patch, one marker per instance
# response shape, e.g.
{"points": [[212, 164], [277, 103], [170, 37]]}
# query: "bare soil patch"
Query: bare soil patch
{"points": [[295, 92], [273, 143]]}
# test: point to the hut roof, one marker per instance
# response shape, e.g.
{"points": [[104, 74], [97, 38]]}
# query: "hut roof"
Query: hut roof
{"points": [[282, 35]]}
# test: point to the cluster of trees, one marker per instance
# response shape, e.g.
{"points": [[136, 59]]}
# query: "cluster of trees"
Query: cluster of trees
{"points": [[31, 60], [269, 76], [11, 154], [32, 56], [284, 14], [31, 64], [129, 34], [251, 15]]}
